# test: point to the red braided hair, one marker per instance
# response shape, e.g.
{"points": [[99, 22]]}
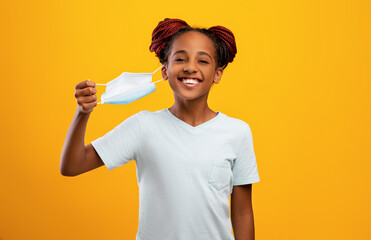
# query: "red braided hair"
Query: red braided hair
{"points": [[169, 29], [227, 37], [163, 32]]}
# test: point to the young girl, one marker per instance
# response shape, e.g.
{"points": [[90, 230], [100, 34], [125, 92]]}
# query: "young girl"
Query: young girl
{"points": [[189, 158]]}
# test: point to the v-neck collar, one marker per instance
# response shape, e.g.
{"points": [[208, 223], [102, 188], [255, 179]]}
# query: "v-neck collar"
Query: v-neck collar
{"points": [[188, 126]]}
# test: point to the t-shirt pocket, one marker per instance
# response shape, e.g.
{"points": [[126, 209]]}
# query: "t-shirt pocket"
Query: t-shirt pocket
{"points": [[221, 174]]}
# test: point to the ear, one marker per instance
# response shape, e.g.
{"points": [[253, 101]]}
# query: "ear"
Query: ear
{"points": [[164, 72], [218, 75]]}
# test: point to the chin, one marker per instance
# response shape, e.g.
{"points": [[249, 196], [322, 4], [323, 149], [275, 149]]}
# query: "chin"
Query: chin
{"points": [[189, 96]]}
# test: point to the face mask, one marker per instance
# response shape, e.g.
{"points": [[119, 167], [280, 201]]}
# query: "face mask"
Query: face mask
{"points": [[128, 87]]}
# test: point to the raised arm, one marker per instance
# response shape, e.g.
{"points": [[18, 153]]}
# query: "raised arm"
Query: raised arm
{"points": [[76, 158]]}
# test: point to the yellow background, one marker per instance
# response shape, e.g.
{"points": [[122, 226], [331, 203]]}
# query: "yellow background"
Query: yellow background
{"points": [[301, 79]]}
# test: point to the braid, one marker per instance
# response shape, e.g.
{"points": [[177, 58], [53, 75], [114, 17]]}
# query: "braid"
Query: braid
{"points": [[227, 37], [169, 29], [163, 32]]}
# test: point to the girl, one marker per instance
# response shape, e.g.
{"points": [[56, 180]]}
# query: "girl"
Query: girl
{"points": [[189, 158]]}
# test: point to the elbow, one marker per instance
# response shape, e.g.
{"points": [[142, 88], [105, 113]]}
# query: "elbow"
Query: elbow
{"points": [[67, 172]]}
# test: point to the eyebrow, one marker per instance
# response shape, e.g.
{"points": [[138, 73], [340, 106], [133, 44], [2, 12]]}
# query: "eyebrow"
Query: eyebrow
{"points": [[200, 53]]}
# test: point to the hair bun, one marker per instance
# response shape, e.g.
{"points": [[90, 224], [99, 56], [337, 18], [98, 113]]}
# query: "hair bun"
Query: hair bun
{"points": [[163, 32], [227, 37]]}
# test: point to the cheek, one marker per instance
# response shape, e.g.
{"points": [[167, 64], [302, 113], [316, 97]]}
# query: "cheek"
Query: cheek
{"points": [[172, 71], [169, 73], [171, 76], [172, 84]]}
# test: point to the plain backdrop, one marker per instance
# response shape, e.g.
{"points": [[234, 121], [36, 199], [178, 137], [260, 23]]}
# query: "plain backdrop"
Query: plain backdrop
{"points": [[300, 79]]}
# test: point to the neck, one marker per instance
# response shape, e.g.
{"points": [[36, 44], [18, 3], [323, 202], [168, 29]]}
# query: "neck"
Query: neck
{"points": [[193, 112]]}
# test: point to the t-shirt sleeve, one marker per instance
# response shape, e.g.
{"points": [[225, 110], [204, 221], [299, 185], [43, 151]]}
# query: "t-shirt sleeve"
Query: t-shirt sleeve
{"points": [[119, 146], [245, 169]]}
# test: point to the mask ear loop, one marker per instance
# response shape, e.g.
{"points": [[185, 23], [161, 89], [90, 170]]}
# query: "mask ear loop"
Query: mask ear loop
{"points": [[101, 85], [158, 80], [156, 71]]}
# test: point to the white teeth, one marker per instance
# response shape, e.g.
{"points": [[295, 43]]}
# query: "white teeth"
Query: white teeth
{"points": [[189, 81]]}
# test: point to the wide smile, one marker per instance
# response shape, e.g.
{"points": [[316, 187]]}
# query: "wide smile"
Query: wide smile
{"points": [[190, 82]]}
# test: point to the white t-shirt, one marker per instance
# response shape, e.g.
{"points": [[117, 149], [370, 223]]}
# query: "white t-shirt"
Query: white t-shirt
{"points": [[185, 174]]}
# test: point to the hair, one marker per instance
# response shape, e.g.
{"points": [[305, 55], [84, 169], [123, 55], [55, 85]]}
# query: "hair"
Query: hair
{"points": [[168, 30]]}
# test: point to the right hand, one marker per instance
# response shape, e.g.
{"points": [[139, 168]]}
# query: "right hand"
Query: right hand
{"points": [[85, 96]]}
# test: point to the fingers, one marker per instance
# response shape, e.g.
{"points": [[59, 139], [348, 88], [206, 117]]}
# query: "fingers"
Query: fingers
{"points": [[85, 84], [85, 96], [86, 99], [87, 91]]}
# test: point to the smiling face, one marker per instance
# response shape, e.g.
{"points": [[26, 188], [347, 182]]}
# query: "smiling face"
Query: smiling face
{"points": [[191, 67]]}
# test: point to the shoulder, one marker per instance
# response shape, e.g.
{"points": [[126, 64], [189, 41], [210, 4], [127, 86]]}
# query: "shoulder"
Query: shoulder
{"points": [[152, 117], [151, 114], [242, 138], [139, 121], [238, 125]]}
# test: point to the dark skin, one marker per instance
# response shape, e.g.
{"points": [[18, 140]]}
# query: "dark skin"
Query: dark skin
{"points": [[242, 216], [192, 56], [77, 158]]}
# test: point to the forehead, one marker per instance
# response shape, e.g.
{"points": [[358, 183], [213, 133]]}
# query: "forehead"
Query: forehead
{"points": [[193, 42]]}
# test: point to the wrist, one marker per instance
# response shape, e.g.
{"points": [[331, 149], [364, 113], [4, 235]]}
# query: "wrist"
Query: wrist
{"points": [[81, 113]]}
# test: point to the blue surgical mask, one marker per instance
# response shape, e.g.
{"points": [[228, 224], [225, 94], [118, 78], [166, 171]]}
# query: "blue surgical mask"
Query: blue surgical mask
{"points": [[128, 87]]}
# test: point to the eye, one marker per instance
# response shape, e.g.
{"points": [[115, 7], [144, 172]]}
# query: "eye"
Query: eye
{"points": [[179, 59], [204, 61]]}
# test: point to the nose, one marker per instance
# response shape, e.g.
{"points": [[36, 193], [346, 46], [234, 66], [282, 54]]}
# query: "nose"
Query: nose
{"points": [[190, 67]]}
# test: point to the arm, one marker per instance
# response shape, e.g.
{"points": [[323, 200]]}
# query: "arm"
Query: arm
{"points": [[241, 213], [77, 158]]}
